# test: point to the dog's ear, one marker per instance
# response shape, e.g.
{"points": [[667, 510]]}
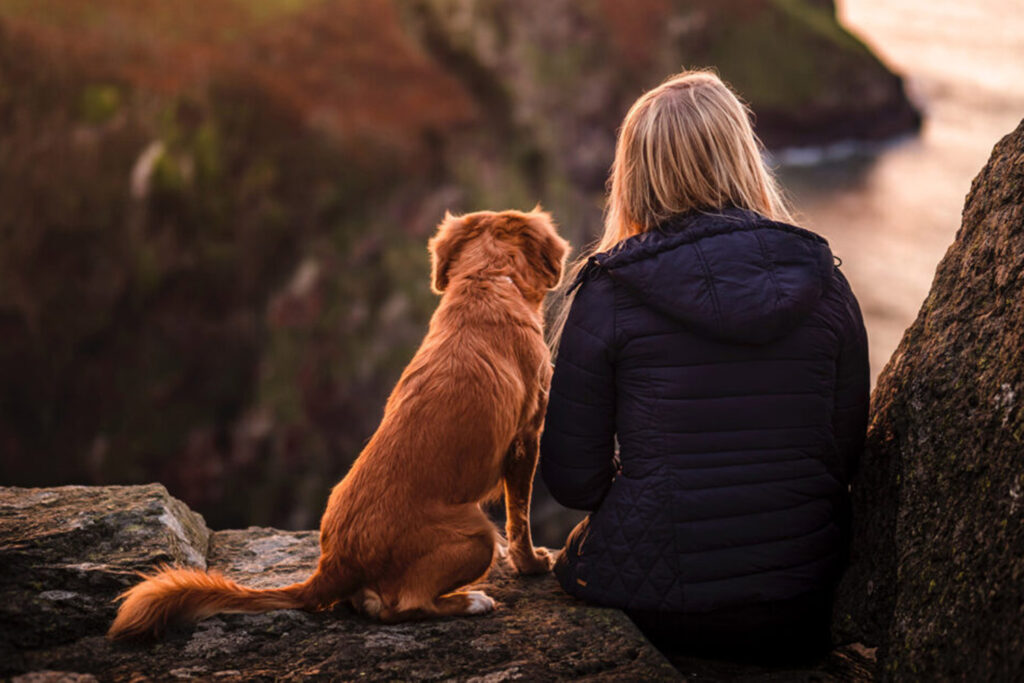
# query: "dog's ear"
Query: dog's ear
{"points": [[552, 249], [452, 233]]}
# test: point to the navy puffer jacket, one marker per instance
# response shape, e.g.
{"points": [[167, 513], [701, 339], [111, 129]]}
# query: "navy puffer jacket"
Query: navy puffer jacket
{"points": [[708, 406]]}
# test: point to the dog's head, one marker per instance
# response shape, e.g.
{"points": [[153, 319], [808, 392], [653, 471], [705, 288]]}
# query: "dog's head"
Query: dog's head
{"points": [[524, 246]]}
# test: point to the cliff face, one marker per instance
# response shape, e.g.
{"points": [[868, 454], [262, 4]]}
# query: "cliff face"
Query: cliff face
{"points": [[565, 73], [938, 564]]}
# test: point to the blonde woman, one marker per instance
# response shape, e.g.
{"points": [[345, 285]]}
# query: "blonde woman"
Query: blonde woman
{"points": [[710, 392]]}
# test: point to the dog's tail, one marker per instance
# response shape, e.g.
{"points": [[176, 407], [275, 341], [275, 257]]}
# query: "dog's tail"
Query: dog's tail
{"points": [[174, 594]]}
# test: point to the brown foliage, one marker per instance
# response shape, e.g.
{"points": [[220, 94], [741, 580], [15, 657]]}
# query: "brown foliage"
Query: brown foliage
{"points": [[132, 292]]}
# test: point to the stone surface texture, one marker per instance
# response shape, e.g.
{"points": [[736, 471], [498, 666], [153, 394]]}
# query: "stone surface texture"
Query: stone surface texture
{"points": [[65, 553], [937, 580]]}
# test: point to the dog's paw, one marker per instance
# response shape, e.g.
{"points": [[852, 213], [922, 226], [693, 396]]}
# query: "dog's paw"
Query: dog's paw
{"points": [[479, 602], [370, 605], [539, 561]]}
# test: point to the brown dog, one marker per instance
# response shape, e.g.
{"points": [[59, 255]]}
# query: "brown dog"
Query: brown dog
{"points": [[404, 529]]}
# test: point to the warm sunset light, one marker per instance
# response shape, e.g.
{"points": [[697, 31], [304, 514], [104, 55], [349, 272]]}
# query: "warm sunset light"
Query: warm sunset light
{"points": [[511, 340]]}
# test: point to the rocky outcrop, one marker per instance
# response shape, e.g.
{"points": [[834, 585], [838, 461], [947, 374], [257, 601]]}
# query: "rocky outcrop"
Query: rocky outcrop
{"points": [[65, 553], [938, 558], [565, 72]]}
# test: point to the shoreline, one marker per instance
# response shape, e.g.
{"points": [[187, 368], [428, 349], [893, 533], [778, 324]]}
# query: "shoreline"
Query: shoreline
{"points": [[808, 156]]}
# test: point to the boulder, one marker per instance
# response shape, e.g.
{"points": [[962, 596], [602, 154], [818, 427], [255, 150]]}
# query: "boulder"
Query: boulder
{"points": [[937, 575], [66, 552]]}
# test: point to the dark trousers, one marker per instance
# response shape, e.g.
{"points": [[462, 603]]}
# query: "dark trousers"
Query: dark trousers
{"points": [[783, 632]]}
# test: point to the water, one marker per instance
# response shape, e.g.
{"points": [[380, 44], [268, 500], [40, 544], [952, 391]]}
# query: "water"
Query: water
{"points": [[891, 212]]}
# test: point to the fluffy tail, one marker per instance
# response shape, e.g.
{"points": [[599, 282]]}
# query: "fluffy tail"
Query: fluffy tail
{"points": [[173, 594]]}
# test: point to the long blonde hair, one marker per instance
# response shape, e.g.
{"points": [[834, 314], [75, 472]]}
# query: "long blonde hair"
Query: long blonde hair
{"points": [[684, 146]]}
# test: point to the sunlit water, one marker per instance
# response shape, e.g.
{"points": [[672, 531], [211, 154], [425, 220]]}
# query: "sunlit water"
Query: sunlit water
{"points": [[891, 215]]}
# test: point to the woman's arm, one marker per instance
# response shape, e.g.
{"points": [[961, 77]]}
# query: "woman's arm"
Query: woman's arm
{"points": [[853, 385], [578, 442]]}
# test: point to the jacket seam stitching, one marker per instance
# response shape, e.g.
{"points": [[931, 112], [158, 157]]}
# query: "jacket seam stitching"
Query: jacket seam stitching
{"points": [[739, 361], [615, 316], [669, 333], [760, 449], [742, 464], [817, 530], [760, 482], [753, 395], [816, 499], [580, 367], [746, 429], [771, 269], [589, 333], [823, 558], [684, 237], [711, 284]]}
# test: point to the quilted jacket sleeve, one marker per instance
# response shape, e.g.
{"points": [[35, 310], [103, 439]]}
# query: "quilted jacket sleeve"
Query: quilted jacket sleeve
{"points": [[853, 384], [578, 443]]}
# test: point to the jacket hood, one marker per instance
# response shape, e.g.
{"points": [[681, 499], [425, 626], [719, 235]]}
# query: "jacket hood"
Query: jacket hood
{"points": [[733, 275]]}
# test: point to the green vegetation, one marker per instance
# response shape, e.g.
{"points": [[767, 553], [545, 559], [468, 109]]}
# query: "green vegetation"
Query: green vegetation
{"points": [[99, 103], [817, 19], [801, 55]]}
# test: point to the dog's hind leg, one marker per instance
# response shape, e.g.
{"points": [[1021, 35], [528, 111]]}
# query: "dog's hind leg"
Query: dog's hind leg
{"points": [[464, 603], [457, 555], [501, 547]]}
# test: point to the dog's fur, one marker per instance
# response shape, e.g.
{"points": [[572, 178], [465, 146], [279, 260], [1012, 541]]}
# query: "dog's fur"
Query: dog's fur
{"points": [[404, 529]]}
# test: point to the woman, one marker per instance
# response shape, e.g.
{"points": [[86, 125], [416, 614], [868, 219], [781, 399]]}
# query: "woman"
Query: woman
{"points": [[710, 392]]}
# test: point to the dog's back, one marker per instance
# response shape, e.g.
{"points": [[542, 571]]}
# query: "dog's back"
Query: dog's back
{"points": [[449, 420]]}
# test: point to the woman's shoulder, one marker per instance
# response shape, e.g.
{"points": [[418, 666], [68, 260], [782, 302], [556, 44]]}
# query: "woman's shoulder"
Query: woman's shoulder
{"points": [[593, 304]]}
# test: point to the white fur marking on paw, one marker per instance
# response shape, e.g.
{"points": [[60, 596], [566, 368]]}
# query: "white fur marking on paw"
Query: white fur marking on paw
{"points": [[479, 603], [372, 604]]}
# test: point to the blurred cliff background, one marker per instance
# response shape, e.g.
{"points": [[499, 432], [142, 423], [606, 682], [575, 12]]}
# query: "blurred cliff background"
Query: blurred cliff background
{"points": [[214, 213]]}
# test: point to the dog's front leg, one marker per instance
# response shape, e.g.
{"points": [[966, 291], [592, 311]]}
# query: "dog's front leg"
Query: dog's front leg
{"points": [[520, 465]]}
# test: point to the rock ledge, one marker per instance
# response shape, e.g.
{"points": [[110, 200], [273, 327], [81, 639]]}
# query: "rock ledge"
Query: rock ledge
{"points": [[65, 553]]}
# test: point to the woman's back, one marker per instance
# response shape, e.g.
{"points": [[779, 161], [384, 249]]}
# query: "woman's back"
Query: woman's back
{"points": [[727, 355]]}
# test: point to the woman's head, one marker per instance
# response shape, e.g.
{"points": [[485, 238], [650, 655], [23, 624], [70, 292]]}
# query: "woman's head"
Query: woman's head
{"points": [[686, 145]]}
